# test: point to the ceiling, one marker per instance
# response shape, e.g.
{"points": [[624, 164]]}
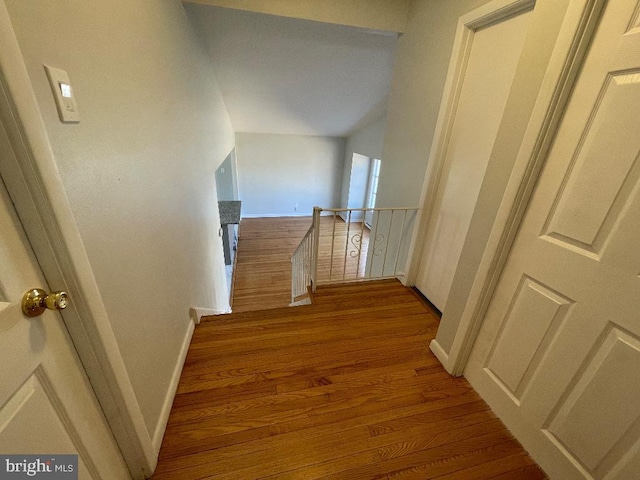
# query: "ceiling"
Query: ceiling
{"points": [[290, 76]]}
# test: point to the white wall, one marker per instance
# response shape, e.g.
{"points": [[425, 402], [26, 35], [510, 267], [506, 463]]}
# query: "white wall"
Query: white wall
{"points": [[366, 141], [422, 61], [277, 171], [370, 14], [293, 77], [138, 169]]}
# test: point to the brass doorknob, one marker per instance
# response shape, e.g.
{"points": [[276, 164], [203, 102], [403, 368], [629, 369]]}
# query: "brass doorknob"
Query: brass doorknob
{"points": [[36, 301]]}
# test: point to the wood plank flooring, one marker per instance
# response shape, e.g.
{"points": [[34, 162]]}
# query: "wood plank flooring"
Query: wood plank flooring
{"points": [[345, 388], [262, 278], [342, 252]]}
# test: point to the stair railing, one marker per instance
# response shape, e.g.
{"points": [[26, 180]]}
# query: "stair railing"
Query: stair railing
{"points": [[301, 267], [352, 245]]}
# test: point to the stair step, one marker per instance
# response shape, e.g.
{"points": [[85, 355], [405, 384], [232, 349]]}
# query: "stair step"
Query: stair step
{"points": [[301, 300], [326, 302]]}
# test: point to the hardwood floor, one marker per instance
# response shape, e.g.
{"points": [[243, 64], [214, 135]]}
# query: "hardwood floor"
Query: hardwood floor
{"points": [[344, 388], [342, 252], [262, 278]]}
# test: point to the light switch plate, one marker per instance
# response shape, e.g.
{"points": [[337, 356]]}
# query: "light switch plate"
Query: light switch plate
{"points": [[63, 94]]}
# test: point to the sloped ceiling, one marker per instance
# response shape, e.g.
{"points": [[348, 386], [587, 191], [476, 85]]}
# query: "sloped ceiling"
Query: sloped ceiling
{"points": [[389, 15], [291, 76]]}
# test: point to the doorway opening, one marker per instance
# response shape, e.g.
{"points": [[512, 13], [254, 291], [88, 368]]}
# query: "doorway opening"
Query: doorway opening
{"points": [[372, 190]]}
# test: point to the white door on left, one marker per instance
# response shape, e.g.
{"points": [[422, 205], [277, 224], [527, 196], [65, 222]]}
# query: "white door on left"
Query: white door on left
{"points": [[47, 406]]}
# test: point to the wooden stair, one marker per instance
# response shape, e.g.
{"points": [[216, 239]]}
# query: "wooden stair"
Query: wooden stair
{"points": [[343, 388], [304, 299]]}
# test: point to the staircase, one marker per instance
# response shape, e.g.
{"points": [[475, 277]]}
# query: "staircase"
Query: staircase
{"points": [[343, 388], [351, 245]]}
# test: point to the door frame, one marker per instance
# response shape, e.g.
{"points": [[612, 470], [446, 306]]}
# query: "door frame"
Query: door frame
{"points": [[579, 24], [490, 13], [372, 190], [35, 186]]}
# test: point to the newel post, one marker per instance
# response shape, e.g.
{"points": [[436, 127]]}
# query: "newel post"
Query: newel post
{"points": [[315, 246]]}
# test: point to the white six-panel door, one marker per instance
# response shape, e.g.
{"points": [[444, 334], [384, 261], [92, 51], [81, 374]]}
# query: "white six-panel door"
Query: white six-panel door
{"points": [[47, 406], [558, 354]]}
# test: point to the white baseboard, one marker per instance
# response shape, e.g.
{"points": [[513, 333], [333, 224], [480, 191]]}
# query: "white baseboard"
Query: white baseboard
{"points": [[171, 391], [440, 354], [196, 313]]}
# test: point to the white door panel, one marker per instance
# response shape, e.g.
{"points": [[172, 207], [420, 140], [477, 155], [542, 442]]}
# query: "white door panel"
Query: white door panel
{"points": [[36, 400], [46, 403], [485, 85], [558, 354]]}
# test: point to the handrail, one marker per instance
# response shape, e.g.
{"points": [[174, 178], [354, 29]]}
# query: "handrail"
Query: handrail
{"points": [[374, 209], [301, 270], [315, 244]]}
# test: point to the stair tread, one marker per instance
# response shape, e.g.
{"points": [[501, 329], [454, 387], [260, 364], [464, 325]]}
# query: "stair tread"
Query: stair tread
{"points": [[326, 304]]}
